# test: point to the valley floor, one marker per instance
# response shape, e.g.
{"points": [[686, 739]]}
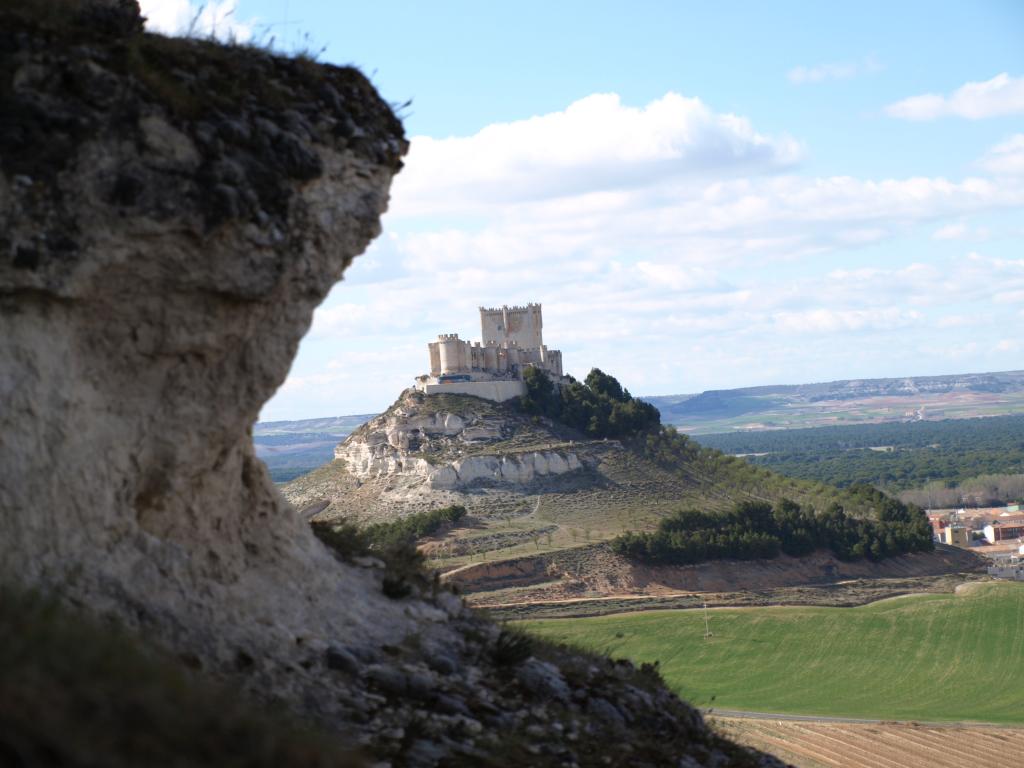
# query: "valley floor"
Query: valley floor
{"points": [[953, 657]]}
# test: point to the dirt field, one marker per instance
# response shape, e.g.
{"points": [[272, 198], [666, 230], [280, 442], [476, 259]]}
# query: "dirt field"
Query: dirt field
{"points": [[588, 572], [844, 594], [879, 745]]}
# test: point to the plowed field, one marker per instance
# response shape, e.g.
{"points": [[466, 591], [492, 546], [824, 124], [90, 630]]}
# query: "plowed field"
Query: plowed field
{"points": [[885, 745]]}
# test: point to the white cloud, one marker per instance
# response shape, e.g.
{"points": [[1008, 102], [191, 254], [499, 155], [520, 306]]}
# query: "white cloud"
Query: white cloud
{"points": [[664, 259], [645, 319], [1002, 95], [1006, 158], [825, 320], [1009, 297], [596, 146], [835, 71], [950, 232], [217, 18]]}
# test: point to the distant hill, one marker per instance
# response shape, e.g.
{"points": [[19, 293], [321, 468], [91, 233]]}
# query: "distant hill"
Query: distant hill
{"points": [[848, 401], [293, 448]]}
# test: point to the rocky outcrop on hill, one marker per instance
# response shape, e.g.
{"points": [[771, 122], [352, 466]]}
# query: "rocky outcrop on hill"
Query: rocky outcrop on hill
{"points": [[414, 444], [171, 211]]}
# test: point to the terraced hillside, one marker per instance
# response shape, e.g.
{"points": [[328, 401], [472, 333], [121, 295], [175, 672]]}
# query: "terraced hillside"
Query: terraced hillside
{"points": [[541, 498]]}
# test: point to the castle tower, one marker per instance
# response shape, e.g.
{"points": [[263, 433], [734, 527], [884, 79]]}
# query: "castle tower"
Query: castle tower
{"points": [[449, 354], [520, 325]]}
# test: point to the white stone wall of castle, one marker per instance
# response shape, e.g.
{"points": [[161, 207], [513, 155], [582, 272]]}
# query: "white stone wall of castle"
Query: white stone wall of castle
{"points": [[435, 359], [499, 391], [476, 357], [453, 354], [522, 325], [553, 361], [490, 358]]}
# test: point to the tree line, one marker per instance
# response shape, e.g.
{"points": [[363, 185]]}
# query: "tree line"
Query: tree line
{"points": [[599, 406], [758, 530], [913, 454], [409, 530]]}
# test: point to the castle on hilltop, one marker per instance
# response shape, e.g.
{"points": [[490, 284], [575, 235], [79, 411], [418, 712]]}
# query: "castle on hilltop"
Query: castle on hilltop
{"points": [[512, 340]]}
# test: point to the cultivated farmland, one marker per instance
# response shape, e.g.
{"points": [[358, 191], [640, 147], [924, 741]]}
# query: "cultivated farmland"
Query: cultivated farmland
{"points": [[878, 745], [921, 657]]}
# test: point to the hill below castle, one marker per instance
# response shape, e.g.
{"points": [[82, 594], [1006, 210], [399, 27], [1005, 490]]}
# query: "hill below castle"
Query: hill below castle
{"points": [[544, 501], [292, 448]]}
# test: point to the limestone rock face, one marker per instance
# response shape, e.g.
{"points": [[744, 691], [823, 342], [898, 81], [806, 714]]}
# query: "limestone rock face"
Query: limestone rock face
{"points": [[166, 230], [518, 468], [414, 445]]}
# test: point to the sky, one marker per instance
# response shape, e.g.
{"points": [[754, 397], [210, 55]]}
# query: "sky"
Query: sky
{"points": [[701, 195]]}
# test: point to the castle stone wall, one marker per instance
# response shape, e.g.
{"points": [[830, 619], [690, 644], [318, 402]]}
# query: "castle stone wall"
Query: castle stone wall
{"points": [[499, 391], [521, 325]]}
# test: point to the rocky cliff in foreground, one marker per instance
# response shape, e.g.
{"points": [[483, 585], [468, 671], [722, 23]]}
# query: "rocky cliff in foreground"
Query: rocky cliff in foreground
{"points": [[171, 212]]}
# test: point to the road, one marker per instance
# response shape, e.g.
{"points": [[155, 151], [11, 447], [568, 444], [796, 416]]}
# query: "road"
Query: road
{"points": [[848, 720]]}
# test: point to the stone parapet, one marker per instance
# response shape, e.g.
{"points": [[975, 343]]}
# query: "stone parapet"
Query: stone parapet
{"points": [[499, 391]]}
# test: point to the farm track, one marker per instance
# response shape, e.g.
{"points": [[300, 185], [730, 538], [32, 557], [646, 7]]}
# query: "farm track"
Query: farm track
{"points": [[810, 742]]}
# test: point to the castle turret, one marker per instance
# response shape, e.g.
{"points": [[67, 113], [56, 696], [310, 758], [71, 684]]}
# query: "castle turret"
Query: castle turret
{"points": [[453, 354]]}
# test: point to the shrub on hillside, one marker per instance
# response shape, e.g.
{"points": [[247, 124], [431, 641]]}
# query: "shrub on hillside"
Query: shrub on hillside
{"points": [[414, 527], [395, 543]]}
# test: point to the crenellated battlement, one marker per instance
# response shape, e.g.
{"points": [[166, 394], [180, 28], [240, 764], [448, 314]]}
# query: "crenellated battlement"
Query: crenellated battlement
{"points": [[530, 307], [447, 337]]}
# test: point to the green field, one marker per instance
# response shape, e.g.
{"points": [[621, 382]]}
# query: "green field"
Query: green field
{"points": [[922, 657]]}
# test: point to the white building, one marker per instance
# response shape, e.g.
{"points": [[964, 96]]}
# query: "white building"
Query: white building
{"points": [[512, 340], [1005, 529]]}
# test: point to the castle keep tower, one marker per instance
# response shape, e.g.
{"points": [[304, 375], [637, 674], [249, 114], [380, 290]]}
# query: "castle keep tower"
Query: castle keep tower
{"points": [[519, 325], [512, 340]]}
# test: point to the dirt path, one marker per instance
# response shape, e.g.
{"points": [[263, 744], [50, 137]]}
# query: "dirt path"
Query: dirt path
{"points": [[745, 715], [513, 605]]}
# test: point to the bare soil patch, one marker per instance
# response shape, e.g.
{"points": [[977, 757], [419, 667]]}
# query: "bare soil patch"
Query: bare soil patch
{"points": [[878, 745], [594, 571], [846, 594]]}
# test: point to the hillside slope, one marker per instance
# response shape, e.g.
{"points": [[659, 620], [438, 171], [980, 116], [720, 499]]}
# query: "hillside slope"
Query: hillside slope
{"points": [[540, 497], [431, 451]]}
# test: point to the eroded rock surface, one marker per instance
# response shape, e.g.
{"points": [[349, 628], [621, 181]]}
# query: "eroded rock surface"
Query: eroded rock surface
{"points": [[412, 444], [171, 212]]}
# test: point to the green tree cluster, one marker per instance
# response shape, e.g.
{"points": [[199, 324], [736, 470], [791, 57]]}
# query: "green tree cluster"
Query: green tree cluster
{"points": [[599, 406], [410, 529], [893, 456], [758, 530]]}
